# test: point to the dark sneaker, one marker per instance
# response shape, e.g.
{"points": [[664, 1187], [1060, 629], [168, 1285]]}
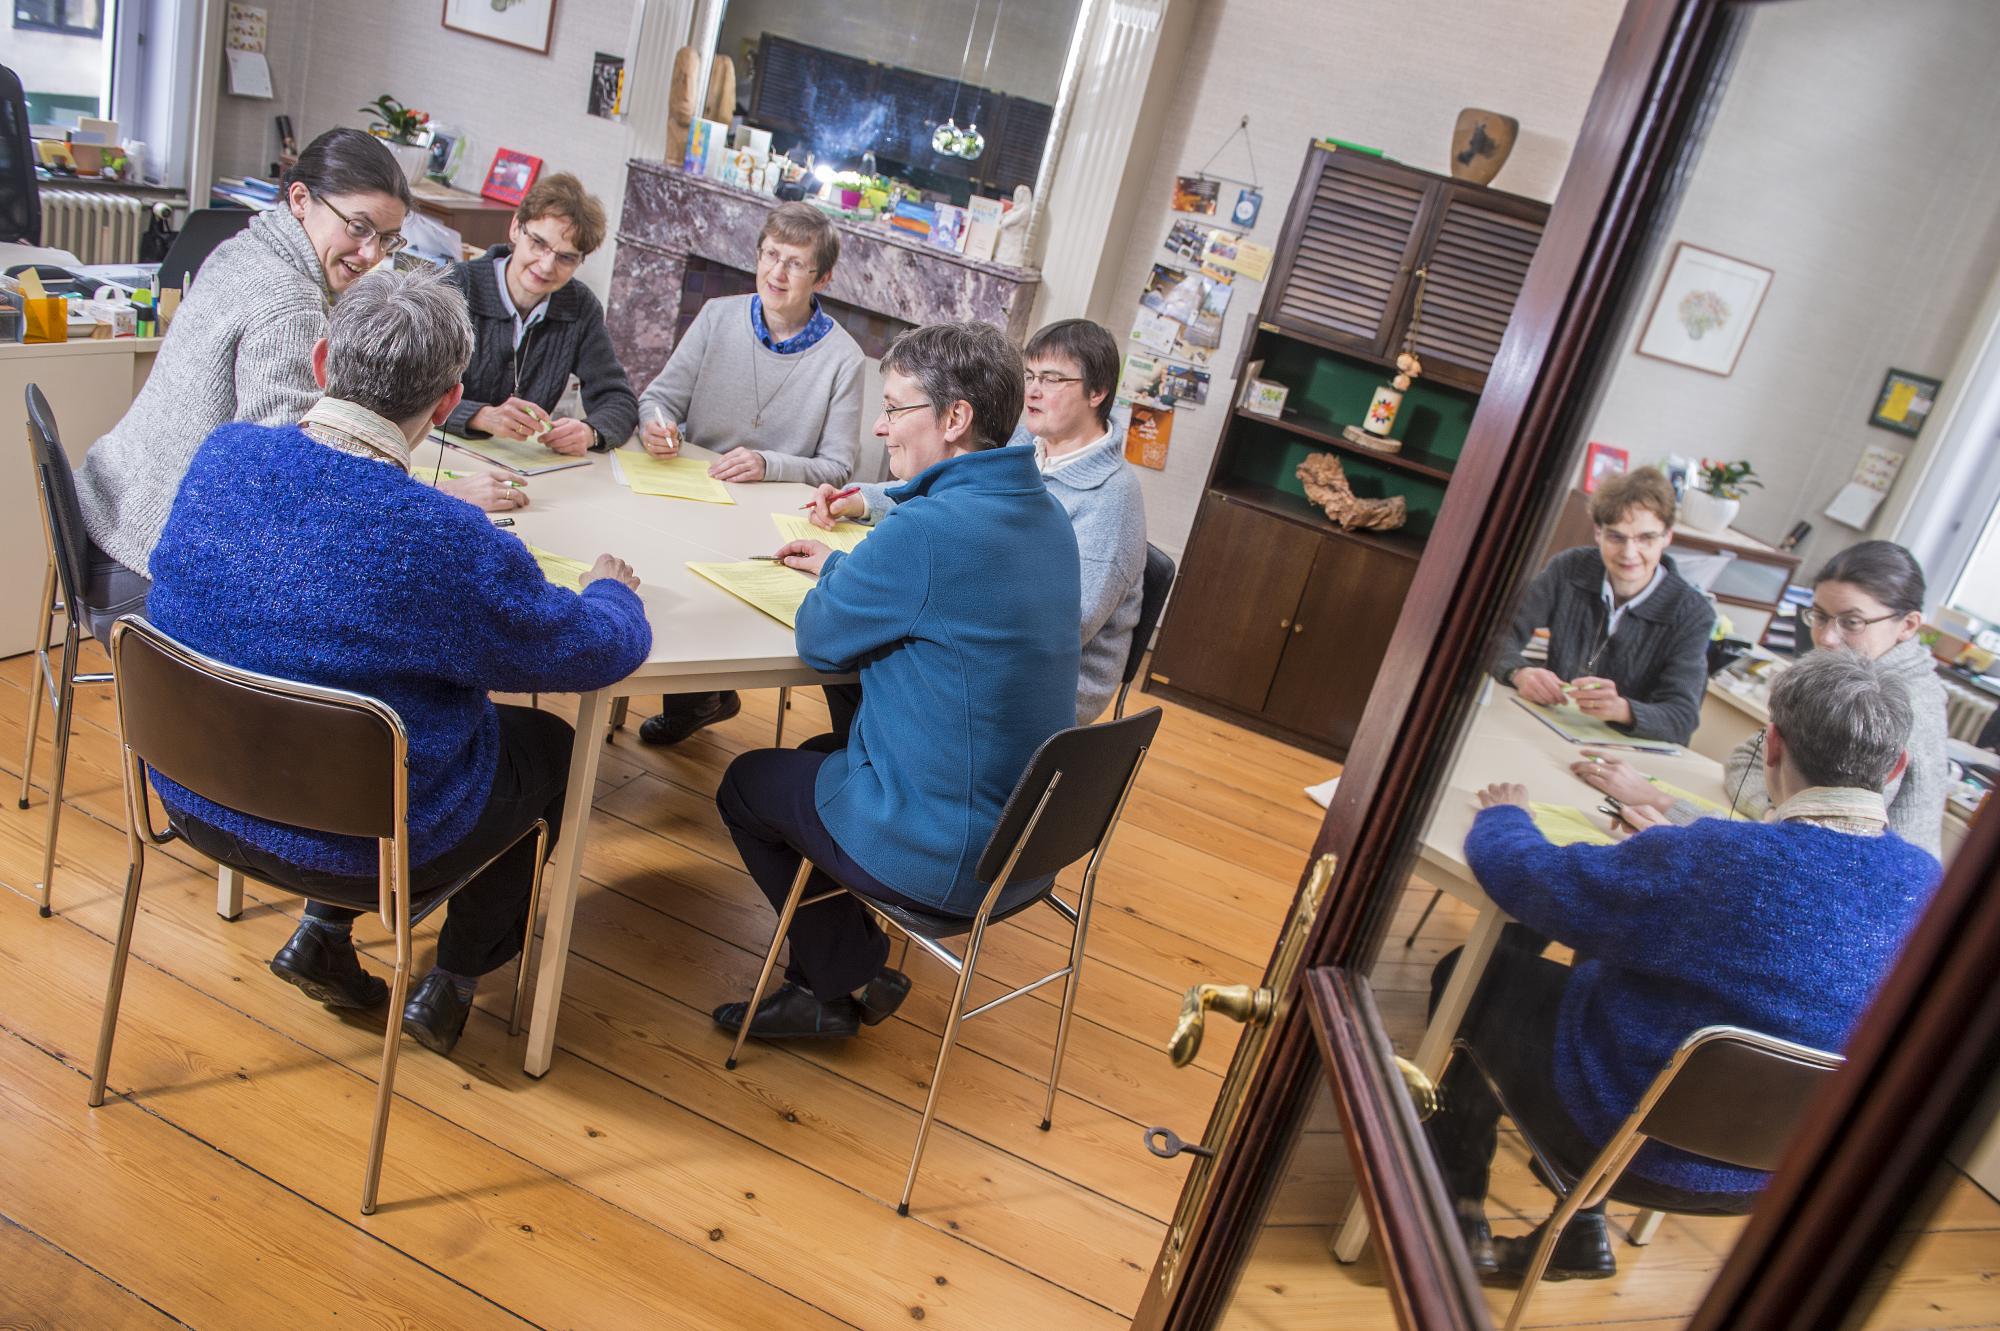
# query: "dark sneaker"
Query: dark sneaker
{"points": [[435, 1015], [884, 994], [686, 713], [794, 1013], [1582, 1253], [324, 966]]}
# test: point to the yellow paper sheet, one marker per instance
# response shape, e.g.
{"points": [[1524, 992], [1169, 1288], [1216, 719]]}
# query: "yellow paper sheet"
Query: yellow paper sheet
{"points": [[560, 569], [1579, 727], [844, 536], [1565, 825], [1706, 806], [522, 455], [776, 590], [673, 478]]}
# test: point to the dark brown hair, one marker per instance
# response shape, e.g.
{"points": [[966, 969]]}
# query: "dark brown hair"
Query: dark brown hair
{"points": [[562, 195], [1094, 352]]}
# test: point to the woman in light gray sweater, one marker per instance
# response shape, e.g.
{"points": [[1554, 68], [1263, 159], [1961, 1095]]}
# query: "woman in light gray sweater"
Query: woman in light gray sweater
{"points": [[1869, 599], [240, 349]]}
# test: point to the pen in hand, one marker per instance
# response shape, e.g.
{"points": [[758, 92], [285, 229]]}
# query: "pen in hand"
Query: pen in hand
{"points": [[850, 490]]}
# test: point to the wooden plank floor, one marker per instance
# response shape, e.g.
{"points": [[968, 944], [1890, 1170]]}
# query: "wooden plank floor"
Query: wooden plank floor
{"points": [[639, 1184]]}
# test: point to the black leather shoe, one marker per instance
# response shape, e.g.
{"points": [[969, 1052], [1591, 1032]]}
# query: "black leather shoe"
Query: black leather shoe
{"points": [[884, 994], [435, 1015], [323, 964], [1478, 1236], [1582, 1253], [685, 715], [794, 1014]]}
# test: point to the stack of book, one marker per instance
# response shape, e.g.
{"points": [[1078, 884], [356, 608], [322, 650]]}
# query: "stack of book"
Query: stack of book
{"points": [[1782, 634]]}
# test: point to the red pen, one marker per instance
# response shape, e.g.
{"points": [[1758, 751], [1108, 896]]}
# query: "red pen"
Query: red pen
{"points": [[850, 490]]}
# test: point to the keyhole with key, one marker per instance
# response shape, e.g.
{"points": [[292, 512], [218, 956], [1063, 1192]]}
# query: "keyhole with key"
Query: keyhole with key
{"points": [[1170, 1145]]}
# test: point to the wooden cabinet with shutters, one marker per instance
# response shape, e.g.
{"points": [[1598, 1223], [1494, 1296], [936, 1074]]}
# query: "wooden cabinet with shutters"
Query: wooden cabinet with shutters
{"points": [[1279, 620]]}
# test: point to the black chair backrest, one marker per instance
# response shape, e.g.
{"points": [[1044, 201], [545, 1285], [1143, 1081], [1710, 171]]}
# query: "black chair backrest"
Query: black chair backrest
{"points": [[1735, 1101], [20, 194], [292, 753], [1153, 585], [204, 229], [1095, 762], [57, 485]]}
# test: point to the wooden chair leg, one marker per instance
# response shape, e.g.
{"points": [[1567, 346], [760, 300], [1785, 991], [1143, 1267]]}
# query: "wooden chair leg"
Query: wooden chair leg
{"points": [[228, 892], [115, 989], [784, 704], [771, 958], [528, 941], [945, 1046], [1644, 1227]]}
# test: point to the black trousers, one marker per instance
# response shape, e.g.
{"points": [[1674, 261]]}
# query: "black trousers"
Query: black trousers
{"points": [[766, 801], [1511, 1024], [114, 590], [485, 921]]}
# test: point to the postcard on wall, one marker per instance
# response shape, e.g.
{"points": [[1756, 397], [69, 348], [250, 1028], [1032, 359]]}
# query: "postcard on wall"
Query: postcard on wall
{"points": [[1174, 292], [1234, 254], [607, 85], [1202, 333], [247, 29], [1857, 501], [1185, 386], [1146, 437], [1144, 380], [1154, 331], [1196, 194], [1186, 240]]}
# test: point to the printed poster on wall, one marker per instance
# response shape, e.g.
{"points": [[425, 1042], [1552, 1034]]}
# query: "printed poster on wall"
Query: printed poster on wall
{"points": [[1147, 434]]}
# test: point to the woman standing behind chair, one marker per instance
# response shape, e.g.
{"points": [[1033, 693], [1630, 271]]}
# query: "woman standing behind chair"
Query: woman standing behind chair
{"points": [[1869, 598], [959, 614], [240, 349]]}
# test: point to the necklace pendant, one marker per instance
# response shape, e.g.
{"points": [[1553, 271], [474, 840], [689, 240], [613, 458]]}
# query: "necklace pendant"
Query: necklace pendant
{"points": [[757, 420]]}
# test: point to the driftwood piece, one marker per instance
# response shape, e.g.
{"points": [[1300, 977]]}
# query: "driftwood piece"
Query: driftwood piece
{"points": [[1326, 485]]}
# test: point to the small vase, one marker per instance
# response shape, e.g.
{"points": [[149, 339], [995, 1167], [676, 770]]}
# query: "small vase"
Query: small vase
{"points": [[1381, 416], [414, 158], [1705, 512]]}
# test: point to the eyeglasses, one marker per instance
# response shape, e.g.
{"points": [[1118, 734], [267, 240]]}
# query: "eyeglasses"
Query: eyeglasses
{"points": [[360, 230], [890, 411], [1851, 625], [770, 259], [1049, 379], [539, 249], [1645, 540]]}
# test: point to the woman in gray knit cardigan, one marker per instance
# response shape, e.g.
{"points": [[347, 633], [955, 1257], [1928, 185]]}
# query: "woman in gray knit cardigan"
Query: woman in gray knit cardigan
{"points": [[240, 349], [1869, 598]]}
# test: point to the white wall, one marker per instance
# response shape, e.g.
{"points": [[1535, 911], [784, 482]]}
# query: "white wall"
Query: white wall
{"points": [[1853, 155], [929, 36], [1392, 76], [331, 56]]}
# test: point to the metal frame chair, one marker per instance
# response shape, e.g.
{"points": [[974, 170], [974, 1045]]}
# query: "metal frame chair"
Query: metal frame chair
{"points": [[1727, 1094], [1154, 583], [1033, 841], [63, 589], [293, 753]]}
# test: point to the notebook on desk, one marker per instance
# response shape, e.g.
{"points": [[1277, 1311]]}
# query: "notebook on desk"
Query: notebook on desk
{"points": [[1579, 727], [523, 457]]}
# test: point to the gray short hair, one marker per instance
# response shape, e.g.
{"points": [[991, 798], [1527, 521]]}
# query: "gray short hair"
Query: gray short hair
{"points": [[973, 363], [1844, 719], [397, 342]]}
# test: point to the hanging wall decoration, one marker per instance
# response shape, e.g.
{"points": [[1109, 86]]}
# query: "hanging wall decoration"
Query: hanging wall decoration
{"points": [[525, 23]]}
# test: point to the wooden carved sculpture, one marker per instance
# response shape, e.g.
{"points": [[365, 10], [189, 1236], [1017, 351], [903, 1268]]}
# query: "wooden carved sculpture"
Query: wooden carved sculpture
{"points": [[1326, 485]]}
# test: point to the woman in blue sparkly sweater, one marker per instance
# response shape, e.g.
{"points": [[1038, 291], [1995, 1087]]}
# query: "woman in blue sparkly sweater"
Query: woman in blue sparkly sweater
{"points": [[1785, 927]]}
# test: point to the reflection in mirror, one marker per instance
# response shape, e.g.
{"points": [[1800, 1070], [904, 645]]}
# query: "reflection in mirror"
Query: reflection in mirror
{"points": [[1938, 1272], [954, 97], [1626, 852]]}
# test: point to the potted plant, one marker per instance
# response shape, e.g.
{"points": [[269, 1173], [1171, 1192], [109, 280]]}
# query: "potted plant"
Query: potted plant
{"points": [[405, 131], [1717, 493]]}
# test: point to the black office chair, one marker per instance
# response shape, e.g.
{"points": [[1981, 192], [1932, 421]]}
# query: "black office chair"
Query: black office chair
{"points": [[63, 589], [20, 193], [204, 229], [293, 753], [1038, 835], [1153, 586], [1727, 1094]]}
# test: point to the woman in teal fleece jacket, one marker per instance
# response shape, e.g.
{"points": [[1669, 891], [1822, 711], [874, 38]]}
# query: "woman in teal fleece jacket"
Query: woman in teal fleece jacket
{"points": [[959, 614]]}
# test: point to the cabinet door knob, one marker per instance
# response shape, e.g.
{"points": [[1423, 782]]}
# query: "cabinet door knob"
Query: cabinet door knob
{"points": [[1298, 628], [1285, 623]]}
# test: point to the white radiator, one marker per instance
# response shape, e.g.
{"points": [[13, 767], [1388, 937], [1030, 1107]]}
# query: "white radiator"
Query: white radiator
{"points": [[1966, 711], [96, 228]]}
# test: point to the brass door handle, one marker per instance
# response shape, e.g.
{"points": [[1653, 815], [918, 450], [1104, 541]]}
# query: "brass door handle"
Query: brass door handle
{"points": [[1248, 1004], [1422, 1090]]}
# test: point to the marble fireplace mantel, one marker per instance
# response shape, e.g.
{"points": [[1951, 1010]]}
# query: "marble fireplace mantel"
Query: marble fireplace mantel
{"points": [[671, 218]]}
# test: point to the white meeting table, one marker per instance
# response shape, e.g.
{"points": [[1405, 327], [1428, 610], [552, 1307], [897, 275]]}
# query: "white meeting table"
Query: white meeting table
{"points": [[704, 638], [1505, 743]]}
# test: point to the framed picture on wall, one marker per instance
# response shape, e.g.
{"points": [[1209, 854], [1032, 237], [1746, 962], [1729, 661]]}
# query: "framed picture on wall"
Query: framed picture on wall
{"points": [[1905, 402], [1702, 315], [511, 176], [1602, 462], [524, 23]]}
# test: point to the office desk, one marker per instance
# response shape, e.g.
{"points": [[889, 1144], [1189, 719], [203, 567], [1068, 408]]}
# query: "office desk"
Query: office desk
{"points": [[1506, 743], [703, 639], [89, 384]]}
